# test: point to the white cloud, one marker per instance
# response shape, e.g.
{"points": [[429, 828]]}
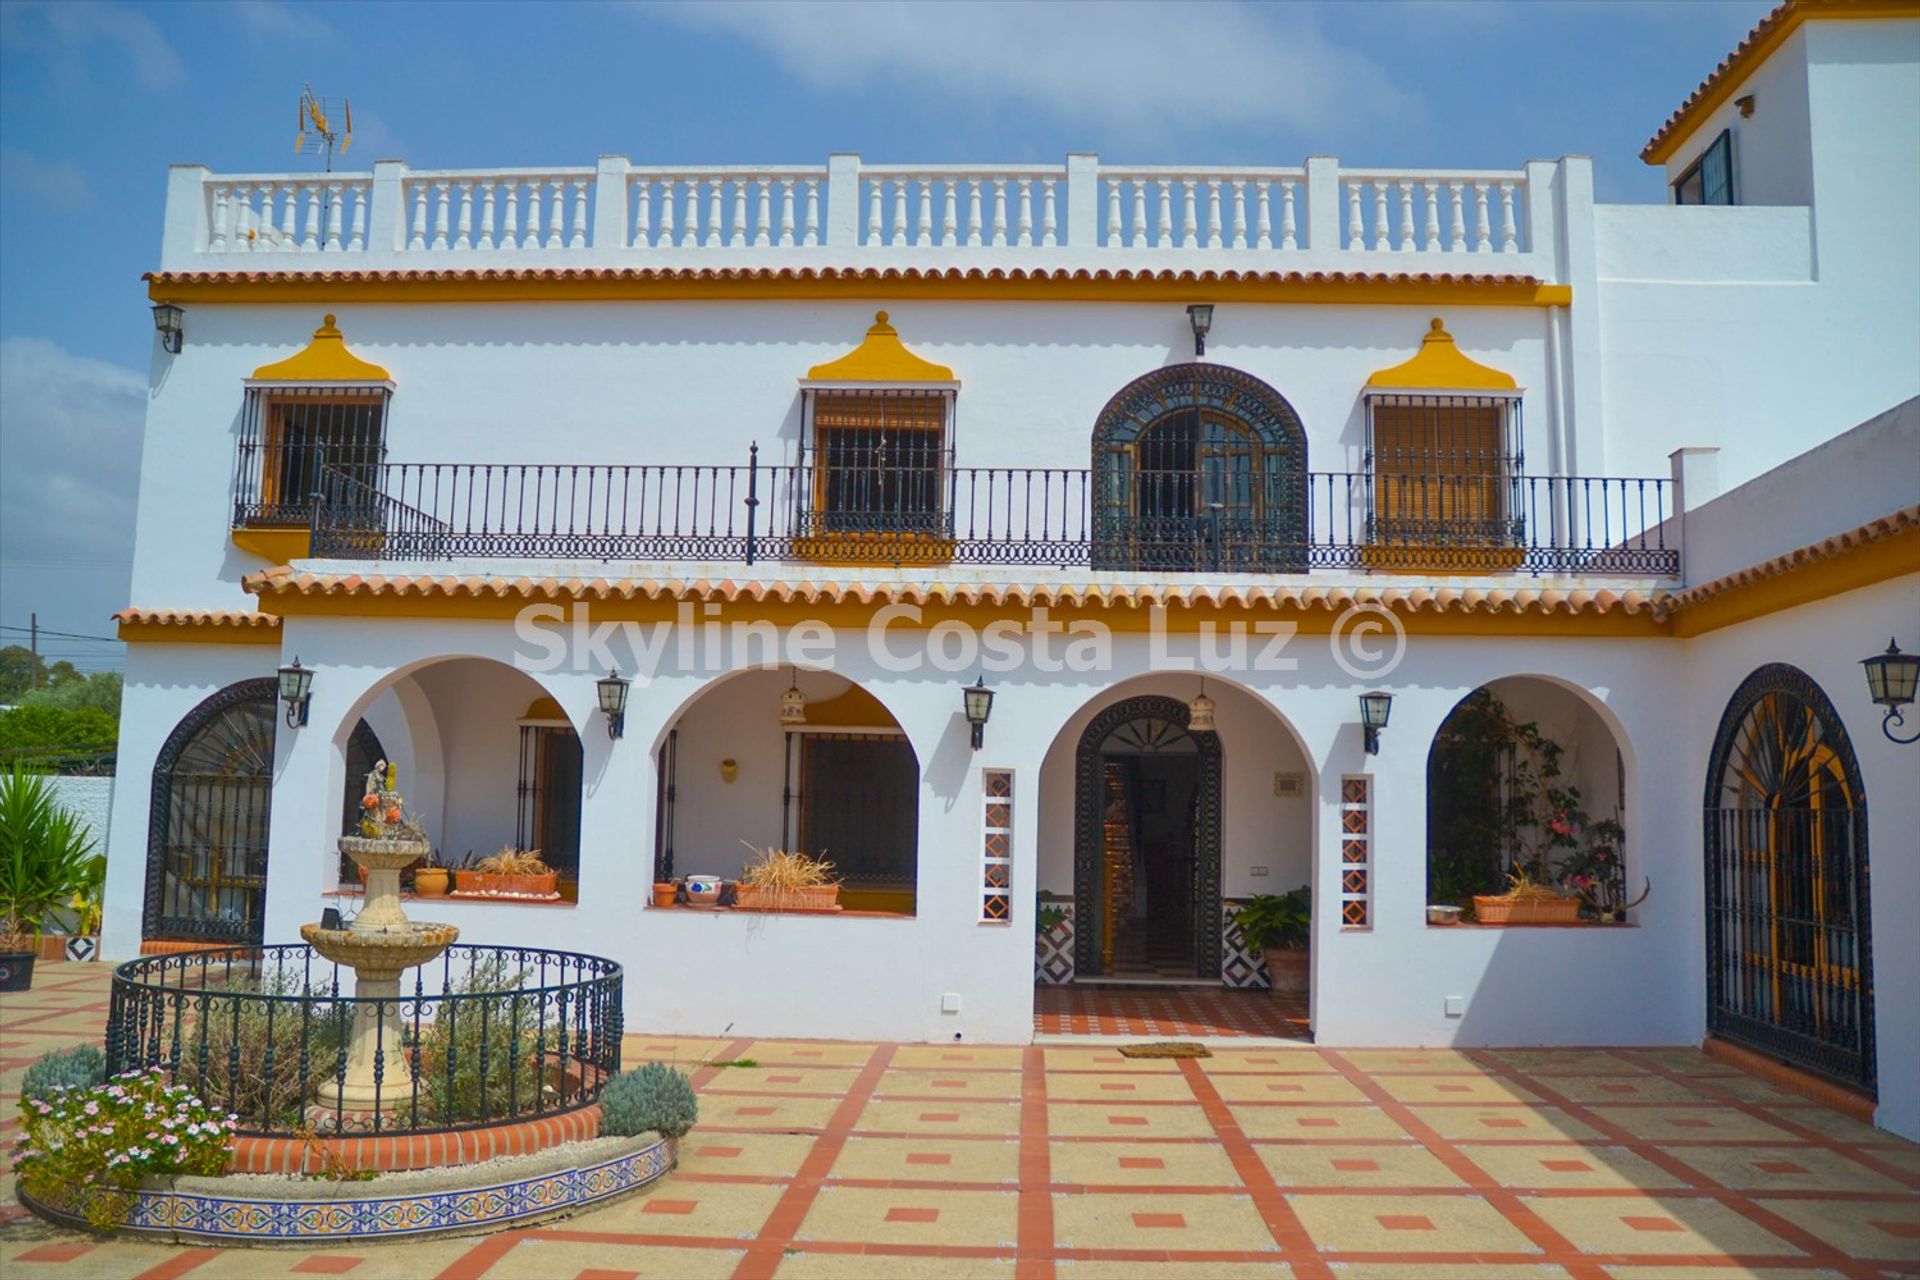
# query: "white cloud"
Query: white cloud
{"points": [[60, 183], [70, 431], [67, 31], [278, 20], [1153, 68]]}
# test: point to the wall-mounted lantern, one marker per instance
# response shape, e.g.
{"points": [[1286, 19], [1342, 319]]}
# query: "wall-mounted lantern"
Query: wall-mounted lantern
{"points": [[296, 690], [167, 319], [1200, 316], [1375, 706], [1891, 677], [977, 700], [613, 689]]}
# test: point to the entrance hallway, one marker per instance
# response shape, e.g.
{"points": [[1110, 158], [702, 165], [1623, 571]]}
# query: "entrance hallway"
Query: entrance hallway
{"points": [[1166, 1013]]}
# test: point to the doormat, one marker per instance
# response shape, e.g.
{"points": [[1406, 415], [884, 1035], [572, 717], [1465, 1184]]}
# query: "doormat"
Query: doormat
{"points": [[1166, 1049]]}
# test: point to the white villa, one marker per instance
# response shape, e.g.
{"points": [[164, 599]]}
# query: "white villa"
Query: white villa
{"points": [[1176, 463]]}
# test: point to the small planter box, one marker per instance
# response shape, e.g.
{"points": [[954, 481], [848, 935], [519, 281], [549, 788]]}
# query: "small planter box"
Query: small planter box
{"points": [[824, 897], [1526, 910], [483, 884]]}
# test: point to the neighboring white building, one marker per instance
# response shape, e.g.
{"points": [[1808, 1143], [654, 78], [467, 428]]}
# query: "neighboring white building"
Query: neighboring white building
{"points": [[428, 432]]}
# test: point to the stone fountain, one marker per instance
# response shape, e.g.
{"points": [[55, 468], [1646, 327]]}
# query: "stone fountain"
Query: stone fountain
{"points": [[378, 946]]}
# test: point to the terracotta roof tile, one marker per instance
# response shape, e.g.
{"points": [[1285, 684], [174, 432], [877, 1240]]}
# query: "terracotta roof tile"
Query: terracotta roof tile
{"points": [[136, 616], [286, 581], [1758, 42], [863, 275], [1901, 521]]}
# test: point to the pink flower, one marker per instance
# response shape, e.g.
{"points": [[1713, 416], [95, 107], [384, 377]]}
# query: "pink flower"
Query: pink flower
{"points": [[1560, 826]]}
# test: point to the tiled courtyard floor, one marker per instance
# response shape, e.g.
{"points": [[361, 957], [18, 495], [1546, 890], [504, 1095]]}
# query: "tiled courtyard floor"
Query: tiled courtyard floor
{"points": [[857, 1160], [1166, 1012]]}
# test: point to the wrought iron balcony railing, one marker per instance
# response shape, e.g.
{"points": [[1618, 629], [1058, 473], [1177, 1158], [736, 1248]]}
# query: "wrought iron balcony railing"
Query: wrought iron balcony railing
{"points": [[1062, 517]]}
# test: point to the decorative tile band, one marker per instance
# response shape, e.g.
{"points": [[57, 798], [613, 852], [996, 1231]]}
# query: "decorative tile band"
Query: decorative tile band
{"points": [[1356, 851], [241, 1219], [996, 853], [1240, 965]]}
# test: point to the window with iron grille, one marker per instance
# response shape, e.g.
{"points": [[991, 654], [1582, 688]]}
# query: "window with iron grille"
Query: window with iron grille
{"points": [[1708, 180], [854, 799], [1442, 469], [879, 461], [298, 441], [549, 807]]}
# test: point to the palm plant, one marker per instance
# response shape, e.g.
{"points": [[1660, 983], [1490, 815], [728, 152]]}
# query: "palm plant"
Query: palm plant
{"points": [[46, 857]]}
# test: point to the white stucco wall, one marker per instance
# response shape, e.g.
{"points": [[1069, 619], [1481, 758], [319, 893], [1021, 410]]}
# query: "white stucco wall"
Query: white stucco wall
{"points": [[90, 799]]}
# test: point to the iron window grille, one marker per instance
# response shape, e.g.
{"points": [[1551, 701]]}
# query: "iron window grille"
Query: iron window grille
{"points": [[1443, 471], [547, 815], [876, 461], [1708, 180], [854, 799], [296, 441]]}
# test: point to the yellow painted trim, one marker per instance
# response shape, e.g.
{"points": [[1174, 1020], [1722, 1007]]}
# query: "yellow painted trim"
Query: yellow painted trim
{"points": [[1869, 564], [851, 550], [1080, 287], [881, 358], [854, 708], [1412, 558], [544, 709], [897, 902], [1721, 87], [1441, 364], [325, 359], [198, 633], [281, 545]]}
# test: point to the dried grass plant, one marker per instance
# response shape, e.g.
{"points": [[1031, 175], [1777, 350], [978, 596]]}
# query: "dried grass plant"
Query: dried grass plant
{"points": [[785, 876], [513, 862]]}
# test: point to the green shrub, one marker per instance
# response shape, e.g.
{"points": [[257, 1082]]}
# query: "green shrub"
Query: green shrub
{"points": [[236, 1072], [1282, 921], [80, 1067], [27, 728], [483, 1059], [656, 1097]]}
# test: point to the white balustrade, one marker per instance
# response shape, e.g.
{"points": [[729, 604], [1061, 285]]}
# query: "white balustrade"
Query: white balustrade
{"points": [[1430, 212], [1082, 213], [1164, 208], [288, 213], [922, 207], [743, 207]]}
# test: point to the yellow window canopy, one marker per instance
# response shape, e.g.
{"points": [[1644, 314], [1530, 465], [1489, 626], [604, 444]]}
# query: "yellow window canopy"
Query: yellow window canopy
{"points": [[325, 359], [883, 359], [1439, 365]]}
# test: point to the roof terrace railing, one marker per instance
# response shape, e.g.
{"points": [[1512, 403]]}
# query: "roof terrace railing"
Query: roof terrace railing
{"points": [[1059, 517], [1080, 214]]}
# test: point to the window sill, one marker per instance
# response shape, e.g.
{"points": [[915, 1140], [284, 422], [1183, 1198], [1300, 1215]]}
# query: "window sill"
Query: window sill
{"points": [[830, 915], [355, 891], [1475, 927]]}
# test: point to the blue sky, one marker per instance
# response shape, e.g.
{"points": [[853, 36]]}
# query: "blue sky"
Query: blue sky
{"points": [[97, 99]]}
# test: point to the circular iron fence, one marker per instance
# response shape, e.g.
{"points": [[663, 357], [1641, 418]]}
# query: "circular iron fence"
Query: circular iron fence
{"points": [[479, 1036]]}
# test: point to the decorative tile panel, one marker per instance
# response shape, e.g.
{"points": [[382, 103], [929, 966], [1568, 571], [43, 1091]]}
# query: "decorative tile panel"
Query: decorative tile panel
{"points": [[1053, 948], [1356, 851], [1240, 965], [996, 848]]}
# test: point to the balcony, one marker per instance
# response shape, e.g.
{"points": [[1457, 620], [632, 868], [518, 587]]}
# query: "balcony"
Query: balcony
{"points": [[1077, 215], [1062, 518]]}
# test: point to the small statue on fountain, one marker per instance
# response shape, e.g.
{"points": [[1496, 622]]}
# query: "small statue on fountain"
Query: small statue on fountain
{"points": [[383, 809]]}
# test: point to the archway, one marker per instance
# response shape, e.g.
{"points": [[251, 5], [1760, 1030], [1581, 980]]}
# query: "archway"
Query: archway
{"points": [[1146, 849], [1196, 467], [209, 817], [1789, 949]]}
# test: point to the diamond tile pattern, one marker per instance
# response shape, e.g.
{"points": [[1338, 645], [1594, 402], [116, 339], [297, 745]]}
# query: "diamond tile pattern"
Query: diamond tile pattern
{"points": [[1270, 1161]]}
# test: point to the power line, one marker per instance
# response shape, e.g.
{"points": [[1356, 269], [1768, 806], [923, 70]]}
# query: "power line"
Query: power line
{"points": [[65, 635]]}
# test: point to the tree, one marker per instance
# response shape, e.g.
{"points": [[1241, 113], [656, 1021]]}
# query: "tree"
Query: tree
{"points": [[99, 692], [17, 671], [56, 728]]}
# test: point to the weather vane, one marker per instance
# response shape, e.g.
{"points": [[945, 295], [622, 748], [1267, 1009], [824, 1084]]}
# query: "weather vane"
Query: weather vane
{"points": [[316, 120]]}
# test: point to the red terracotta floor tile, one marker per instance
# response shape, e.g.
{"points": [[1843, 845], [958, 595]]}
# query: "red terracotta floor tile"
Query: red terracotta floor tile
{"points": [[1166, 1012]]}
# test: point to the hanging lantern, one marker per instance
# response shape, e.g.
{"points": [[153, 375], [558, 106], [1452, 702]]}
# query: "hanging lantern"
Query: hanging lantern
{"points": [[793, 706], [1200, 712]]}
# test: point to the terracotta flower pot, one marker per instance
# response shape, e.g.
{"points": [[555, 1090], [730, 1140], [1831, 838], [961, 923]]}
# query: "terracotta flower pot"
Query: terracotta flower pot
{"points": [[825, 897], [432, 882], [1287, 971], [1500, 910], [664, 894], [486, 884]]}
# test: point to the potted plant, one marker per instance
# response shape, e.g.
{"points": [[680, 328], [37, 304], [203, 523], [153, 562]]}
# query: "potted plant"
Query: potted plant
{"points": [[510, 873], [46, 858], [430, 879], [1525, 902], [664, 892], [777, 880], [1278, 925]]}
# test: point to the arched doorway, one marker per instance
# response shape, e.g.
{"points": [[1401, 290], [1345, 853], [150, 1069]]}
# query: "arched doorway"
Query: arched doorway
{"points": [[1199, 467], [208, 823], [1146, 855], [1789, 953]]}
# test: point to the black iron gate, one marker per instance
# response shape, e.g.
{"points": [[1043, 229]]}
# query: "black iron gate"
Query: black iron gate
{"points": [[1789, 949]]}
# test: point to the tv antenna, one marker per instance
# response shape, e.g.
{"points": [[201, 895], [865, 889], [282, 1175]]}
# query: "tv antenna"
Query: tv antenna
{"points": [[316, 119]]}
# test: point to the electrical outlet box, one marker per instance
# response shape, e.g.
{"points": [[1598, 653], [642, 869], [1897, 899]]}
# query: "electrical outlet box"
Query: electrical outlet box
{"points": [[950, 1002], [1456, 1006], [1289, 786], [1256, 871]]}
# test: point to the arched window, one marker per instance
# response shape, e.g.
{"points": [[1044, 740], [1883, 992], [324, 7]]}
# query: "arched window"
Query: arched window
{"points": [[1199, 467], [1789, 954]]}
